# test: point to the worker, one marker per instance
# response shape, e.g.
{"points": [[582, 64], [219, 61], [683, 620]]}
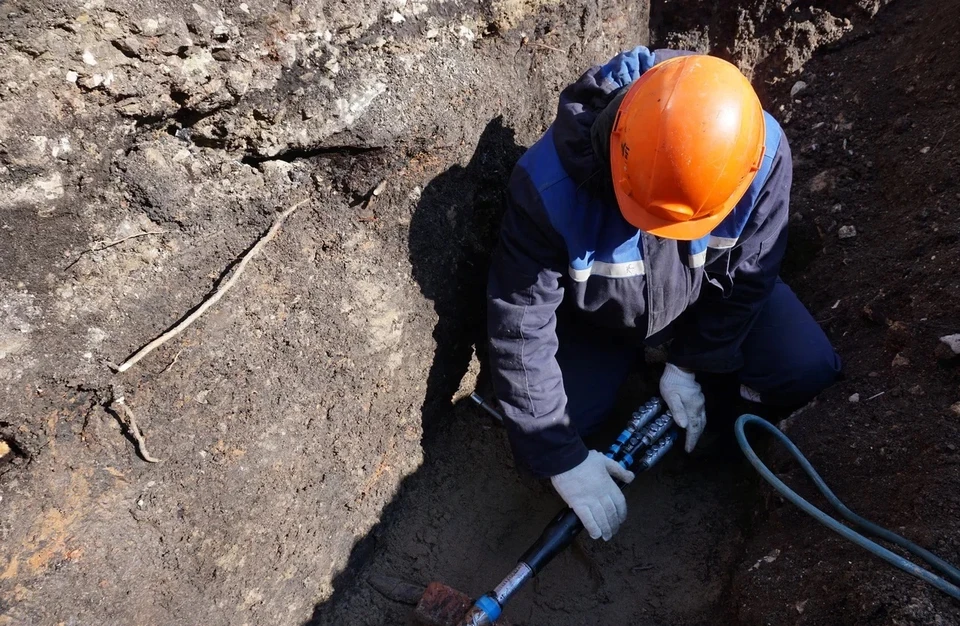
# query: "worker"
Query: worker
{"points": [[652, 212]]}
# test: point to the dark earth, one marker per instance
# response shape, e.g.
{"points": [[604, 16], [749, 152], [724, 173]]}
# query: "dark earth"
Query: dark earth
{"points": [[313, 426]]}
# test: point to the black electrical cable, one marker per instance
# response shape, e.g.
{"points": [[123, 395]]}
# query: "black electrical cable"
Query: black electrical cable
{"points": [[947, 570]]}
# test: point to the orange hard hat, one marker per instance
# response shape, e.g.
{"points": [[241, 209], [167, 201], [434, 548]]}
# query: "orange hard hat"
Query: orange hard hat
{"points": [[685, 146]]}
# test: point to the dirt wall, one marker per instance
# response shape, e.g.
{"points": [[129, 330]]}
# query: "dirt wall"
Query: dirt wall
{"points": [[287, 416], [873, 254], [144, 147]]}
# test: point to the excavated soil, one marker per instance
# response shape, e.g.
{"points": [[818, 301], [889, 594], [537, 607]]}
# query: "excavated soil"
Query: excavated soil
{"points": [[313, 426], [875, 132]]}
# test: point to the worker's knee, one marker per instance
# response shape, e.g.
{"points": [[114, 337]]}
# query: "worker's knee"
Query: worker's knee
{"points": [[801, 378]]}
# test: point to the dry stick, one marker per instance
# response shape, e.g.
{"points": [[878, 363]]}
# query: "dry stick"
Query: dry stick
{"points": [[103, 245], [176, 358], [209, 302], [135, 431]]}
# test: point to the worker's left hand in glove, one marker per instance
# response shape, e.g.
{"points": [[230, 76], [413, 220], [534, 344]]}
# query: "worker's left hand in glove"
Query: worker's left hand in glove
{"points": [[681, 391], [590, 491]]}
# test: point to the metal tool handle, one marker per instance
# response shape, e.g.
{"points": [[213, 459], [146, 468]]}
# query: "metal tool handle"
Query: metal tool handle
{"points": [[483, 404]]}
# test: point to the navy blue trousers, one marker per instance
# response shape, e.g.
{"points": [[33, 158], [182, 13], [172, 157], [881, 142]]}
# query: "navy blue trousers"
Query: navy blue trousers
{"points": [[787, 361]]}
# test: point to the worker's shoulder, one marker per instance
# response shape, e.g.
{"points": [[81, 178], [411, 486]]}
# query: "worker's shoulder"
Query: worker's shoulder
{"points": [[751, 206], [774, 134], [541, 167]]}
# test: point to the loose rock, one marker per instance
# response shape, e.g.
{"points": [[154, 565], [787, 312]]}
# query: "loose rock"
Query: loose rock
{"points": [[91, 81], [824, 181], [847, 232], [952, 342], [129, 45], [948, 349], [149, 27]]}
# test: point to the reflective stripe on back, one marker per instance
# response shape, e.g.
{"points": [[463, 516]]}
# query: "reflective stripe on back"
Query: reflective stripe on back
{"points": [[607, 270]]}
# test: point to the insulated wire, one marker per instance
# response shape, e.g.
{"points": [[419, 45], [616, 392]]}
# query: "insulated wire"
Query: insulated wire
{"points": [[947, 570]]}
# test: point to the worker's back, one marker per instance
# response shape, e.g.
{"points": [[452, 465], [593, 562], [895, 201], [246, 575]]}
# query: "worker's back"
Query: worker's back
{"points": [[618, 276]]}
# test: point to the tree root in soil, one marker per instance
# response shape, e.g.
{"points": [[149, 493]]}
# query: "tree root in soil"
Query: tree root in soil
{"points": [[103, 245], [129, 420], [209, 302]]}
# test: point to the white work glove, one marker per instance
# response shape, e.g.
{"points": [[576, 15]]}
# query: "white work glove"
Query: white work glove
{"points": [[681, 391], [589, 490]]}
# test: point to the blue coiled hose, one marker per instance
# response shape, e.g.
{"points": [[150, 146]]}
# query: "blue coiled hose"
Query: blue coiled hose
{"points": [[947, 582]]}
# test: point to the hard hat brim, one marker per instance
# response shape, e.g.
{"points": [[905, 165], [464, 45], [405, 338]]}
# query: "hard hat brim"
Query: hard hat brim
{"points": [[683, 231]]}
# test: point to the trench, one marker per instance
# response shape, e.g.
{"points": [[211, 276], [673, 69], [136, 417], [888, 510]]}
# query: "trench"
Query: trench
{"points": [[295, 432], [465, 516]]}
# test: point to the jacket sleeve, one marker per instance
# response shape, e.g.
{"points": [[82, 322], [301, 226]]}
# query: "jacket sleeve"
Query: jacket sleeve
{"points": [[738, 282], [523, 294]]}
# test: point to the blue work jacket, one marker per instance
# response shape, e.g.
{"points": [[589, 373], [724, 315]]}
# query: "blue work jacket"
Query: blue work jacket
{"points": [[564, 246]]}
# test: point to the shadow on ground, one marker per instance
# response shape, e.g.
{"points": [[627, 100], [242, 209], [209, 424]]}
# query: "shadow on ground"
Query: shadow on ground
{"points": [[452, 232]]}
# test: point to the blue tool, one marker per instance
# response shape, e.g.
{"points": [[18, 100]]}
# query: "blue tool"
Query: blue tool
{"points": [[647, 437]]}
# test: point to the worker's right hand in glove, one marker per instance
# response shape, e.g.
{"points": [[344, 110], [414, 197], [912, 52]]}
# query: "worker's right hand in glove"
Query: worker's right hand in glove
{"points": [[684, 397], [590, 491]]}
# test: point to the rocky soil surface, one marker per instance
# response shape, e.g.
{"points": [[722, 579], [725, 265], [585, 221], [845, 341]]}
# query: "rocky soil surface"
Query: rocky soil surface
{"points": [[310, 425], [875, 128]]}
